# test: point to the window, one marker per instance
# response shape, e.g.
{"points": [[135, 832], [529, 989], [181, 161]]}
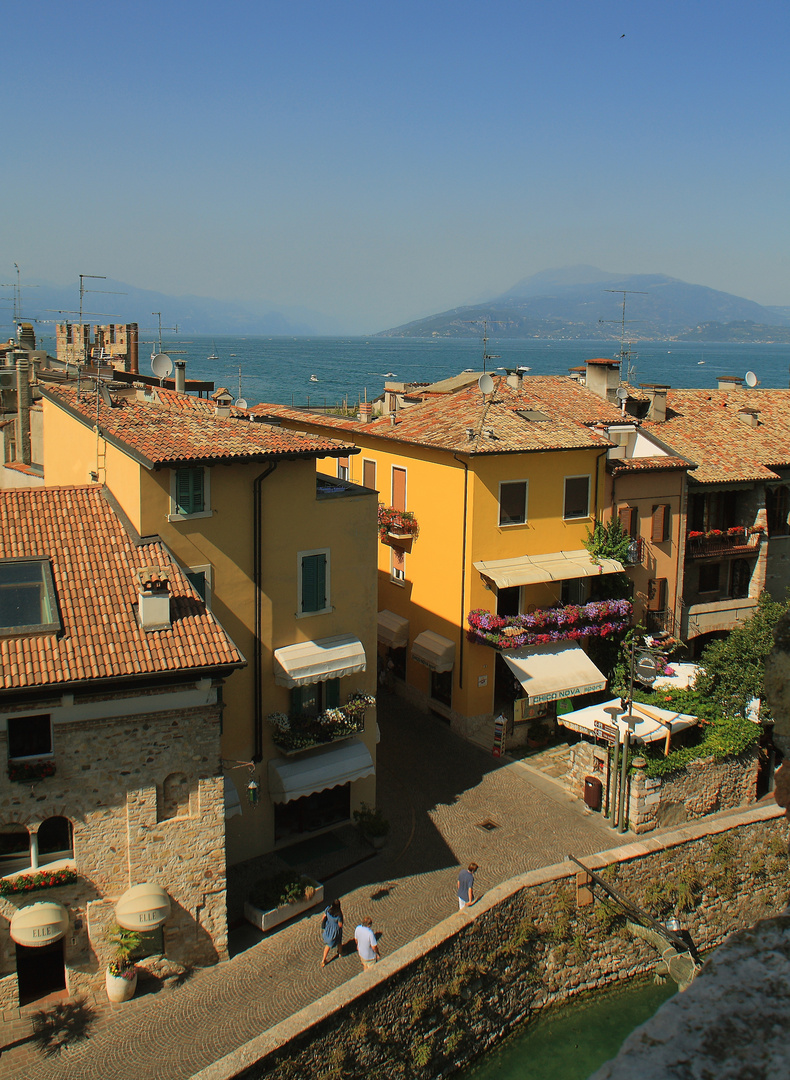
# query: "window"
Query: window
{"points": [[741, 578], [201, 579], [315, 698], [398, 565], [342, 468], [398, 488], [657, 594], [513, 502], [659, 531], [628, 519], [442, 687], [577, 497], [190, 493], [27, 596], [29, 737], [369, 474], [709, 577], [175, 797], [313, 582], [55, 840], [508, 600], [312, 812]]}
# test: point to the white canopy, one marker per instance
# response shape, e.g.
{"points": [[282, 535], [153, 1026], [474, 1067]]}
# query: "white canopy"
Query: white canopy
{"points": [[555, 566], [316, 661], [143, 907], [232, 800], [393, 630], [685, 675], [557, 670], [647, 728], [433, 650], [39, 924], [317, 770]]}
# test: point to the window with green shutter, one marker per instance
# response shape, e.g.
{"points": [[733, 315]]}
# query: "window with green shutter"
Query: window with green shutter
{"points": [[189, 491], [314, 582]]}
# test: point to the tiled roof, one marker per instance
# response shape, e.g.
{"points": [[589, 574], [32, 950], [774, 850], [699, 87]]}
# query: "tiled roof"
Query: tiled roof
{"points": [[496, 424], [176, 428], [94, 563], [648, 464], [704, 426]]}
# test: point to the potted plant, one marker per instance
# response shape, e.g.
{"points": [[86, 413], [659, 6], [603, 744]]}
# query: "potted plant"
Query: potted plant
{"points": [[372, 824], [121, 976], [277, 899]]}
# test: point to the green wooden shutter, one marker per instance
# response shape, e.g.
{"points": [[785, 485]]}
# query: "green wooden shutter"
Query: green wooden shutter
{"points": [[331, 693], [189, 491], [313, 582], [296, 701]]}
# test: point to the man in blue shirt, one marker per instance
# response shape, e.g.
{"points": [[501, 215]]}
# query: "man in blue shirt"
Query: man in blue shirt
{"points": [[466, 881]]}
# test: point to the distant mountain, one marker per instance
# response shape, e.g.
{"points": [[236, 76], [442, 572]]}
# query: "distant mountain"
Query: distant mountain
{"points": [[115, 301], [585, 302]]}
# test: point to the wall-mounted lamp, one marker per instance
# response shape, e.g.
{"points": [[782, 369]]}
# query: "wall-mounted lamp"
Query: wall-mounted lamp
{"points": [[253, 792]]}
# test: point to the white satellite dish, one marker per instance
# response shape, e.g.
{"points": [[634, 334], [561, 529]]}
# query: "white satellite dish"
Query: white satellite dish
{"points": [[161, 365], [240, 403], [621, 393], [751, 380], [485, 384]]}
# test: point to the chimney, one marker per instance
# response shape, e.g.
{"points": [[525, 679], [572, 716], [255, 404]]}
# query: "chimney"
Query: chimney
{"points": [[153, 592], [657, 402], [133, 349], [181, 376], [750, 417], [26, 336], [514, 380], [223, 399], [603, 377], [23, 409], [365, 414], [729, 382]]}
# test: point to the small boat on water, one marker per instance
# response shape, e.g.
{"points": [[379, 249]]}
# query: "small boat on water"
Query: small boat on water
{"points": [[313, 378], [213, 355], [389, 374]]}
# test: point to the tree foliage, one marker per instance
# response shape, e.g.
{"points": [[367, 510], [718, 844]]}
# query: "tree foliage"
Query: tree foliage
{"points": [[609, 542]]}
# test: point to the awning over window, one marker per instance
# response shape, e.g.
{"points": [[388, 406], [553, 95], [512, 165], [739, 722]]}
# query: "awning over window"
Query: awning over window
{"points": [[316, 661], [556, 566], [433, 650], [393, 630], [651, 724], [143, 907], [317, 770], [39, 924], [232, 800], [557, 670]]}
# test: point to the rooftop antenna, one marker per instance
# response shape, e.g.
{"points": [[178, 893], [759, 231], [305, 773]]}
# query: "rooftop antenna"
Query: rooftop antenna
{"points": [[17, 286], [173, 328], [486, 354], [626, 367], [240, 402]]}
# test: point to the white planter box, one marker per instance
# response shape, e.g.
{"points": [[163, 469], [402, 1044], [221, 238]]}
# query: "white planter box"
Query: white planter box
{"points": [[267, 920]]}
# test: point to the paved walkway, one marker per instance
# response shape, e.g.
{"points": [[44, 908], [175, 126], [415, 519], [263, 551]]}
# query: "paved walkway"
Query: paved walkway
{"points": [[448, 803]]}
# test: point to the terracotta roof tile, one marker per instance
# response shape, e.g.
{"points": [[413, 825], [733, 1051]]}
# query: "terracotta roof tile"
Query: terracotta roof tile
{"points": [[648, 464], [94, 565]]}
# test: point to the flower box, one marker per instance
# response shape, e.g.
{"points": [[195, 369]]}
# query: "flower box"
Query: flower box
{"points": [[28, 772], [267, 920]]}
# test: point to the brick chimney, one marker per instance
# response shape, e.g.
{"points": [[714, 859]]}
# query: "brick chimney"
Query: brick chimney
{"points": [[365, 414], [153, 593]]}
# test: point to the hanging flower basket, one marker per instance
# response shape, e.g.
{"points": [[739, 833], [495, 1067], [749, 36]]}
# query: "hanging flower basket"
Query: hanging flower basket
{"points": [[399, 524]]}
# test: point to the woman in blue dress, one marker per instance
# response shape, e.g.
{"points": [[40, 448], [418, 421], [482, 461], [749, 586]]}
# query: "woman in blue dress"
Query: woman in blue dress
{"points": [[332, 930]]}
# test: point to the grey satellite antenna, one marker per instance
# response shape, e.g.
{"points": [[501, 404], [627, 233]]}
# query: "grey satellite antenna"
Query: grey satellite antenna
{"points": [[240, 403], [621, 393], [161, 365], [485, 384], [751, 380]]}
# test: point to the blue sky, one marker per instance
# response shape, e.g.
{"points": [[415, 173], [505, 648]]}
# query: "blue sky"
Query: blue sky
{"points": [[381, 161]]}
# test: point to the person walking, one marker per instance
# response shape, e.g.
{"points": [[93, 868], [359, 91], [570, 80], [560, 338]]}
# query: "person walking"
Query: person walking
{"points": [[367, 945], [466, 884], [332, 930]]}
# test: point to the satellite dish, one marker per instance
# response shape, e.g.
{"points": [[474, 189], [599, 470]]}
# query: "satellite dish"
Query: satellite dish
{"points": [[621, 393], [751, 380], [240, 403], [485, 384], [161, 365]]}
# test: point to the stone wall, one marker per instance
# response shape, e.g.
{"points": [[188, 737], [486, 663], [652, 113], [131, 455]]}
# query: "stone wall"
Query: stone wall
{"points": [[110, 781], [702, 787], [441, 1001]]}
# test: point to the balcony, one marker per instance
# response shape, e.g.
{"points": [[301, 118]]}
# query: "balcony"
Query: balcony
{"points": [[398, 528], [718, 542], [293, 734], [571, 622]]}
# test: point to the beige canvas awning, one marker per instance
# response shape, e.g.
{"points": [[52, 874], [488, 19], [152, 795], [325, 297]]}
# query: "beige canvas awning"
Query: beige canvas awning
{"points": [[649, 725], [556, 566], [557, 670], [143, 907], [393, 629], [316, 661], [317, 770], [39, 924], [433, 650]]}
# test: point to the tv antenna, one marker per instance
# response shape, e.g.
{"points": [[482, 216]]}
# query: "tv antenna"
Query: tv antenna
{"points": [[626, 367], [173, 328], [240, 402], [17, 286], [486, 354]]}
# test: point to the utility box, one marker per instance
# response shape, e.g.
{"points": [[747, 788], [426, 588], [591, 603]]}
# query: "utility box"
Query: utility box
{"points": [[593, 791]]}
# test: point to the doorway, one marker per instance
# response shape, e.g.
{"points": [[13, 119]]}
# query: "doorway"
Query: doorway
{"points": [[40, 970]]}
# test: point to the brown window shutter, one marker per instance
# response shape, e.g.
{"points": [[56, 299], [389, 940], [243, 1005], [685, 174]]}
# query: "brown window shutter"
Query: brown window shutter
{"points": [[657, 594], [399, 489], [369, 474], [660, 522], [628, 519]]}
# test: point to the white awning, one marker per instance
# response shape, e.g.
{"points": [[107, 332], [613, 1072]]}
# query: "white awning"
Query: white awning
{"points": [[556, 566], [317, 770], [39, 924], [143, 907], [557, 670], [433, 650], [232, 800], [651, 723], [316, 661], [393, 630]]}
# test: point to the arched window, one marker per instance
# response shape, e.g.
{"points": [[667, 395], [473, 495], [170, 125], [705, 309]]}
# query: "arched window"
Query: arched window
{"points": [[55, 840], [14, 849], [175, 796]]}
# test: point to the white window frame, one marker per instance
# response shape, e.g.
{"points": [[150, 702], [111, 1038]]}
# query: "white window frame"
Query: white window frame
{"points": [[300, 555], [512, 524], [207, 570], [397, 576], [576, 476], [206, 511], [344, 471]]}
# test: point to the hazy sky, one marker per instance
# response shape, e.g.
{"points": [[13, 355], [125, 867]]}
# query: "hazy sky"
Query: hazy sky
{"points": [[378, 160]]}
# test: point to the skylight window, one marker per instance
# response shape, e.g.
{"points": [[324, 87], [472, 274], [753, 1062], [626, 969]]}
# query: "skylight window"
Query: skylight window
{"points": [[27, 597], [533, 415]]}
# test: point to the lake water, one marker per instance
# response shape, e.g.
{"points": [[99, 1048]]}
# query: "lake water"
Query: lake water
{"points": [[280, 369], [572, 1041]]}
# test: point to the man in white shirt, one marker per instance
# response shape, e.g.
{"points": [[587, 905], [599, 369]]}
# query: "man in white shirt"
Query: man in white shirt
{"points": [[367, 945]]}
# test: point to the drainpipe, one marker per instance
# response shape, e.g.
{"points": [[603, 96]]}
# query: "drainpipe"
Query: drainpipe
{"points": [[597, 481], [463, 575], [257, 579]]}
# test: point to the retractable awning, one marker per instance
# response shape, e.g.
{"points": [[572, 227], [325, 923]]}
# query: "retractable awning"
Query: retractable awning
{"points": [[317, 770], [433, 650], [143, 907], [39, 924], [316, 661], [557, 670], [232, 800], [393, 630], [651, 723], [556, 566]]}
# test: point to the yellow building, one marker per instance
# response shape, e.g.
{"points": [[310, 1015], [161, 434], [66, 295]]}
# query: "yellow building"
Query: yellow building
{"points": [[285, 560], [504, 484]]}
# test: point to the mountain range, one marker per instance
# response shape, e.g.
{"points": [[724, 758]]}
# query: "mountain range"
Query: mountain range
{"points": [[587, 303]]}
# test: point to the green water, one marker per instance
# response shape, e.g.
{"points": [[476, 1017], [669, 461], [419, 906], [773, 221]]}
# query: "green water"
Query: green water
{"points": [[572, 1041]]}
